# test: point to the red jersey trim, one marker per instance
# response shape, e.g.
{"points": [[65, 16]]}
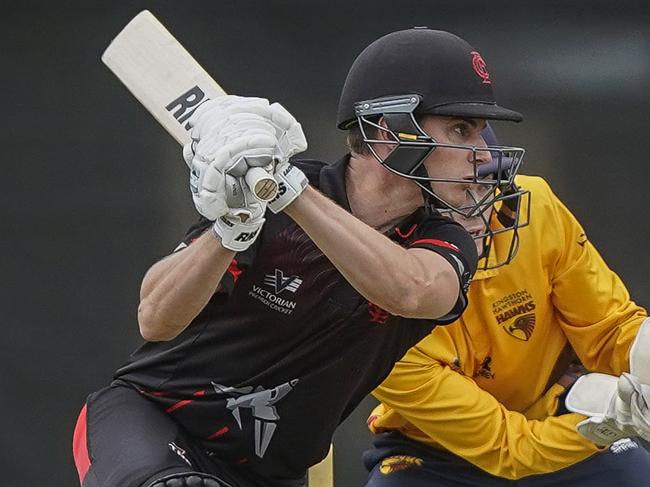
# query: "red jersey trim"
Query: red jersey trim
{"points": [[437, 243], [80, 446], [234, 270], [408, 233]]}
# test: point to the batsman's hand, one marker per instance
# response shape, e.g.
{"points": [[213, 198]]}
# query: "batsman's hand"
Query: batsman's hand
{"points": [[219, 121], [231, 135], [291, 140], [228, 138], [616, 407], [237, 214], [232, 143], [240, 226]]}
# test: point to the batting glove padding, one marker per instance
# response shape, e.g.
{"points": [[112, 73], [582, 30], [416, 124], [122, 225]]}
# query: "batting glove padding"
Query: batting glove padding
{"points": [[236, 234], [228, 138], [291, 182], [239, 227]]}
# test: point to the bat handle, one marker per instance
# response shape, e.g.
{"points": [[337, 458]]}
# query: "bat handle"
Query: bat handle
{"points": [[261, 183]]}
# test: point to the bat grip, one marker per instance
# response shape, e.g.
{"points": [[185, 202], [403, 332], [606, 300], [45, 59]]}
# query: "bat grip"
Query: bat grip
{"points": [[261, 183]]}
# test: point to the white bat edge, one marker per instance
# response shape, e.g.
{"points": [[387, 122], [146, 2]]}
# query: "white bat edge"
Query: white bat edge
{"points": [[166, 79], [158, 71]]}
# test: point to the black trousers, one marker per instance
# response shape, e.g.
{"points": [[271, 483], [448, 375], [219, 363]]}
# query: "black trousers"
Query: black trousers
{"points": [[124, 440]]}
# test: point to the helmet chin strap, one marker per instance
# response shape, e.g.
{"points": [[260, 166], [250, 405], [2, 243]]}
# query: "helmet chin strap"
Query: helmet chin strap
{"points": [[408, 159], [432, 205]]}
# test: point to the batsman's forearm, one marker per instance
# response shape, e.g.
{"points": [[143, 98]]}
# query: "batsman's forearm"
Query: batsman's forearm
{"points": [[379, 269], [176, 289]]}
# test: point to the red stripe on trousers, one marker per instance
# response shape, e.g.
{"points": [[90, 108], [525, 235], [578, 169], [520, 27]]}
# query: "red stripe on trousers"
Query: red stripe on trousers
{"points": [[218, 433], [179, 404], [184, 402], [80, 446]]}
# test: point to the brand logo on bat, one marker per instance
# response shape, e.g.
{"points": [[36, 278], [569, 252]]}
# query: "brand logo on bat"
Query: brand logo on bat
{"points": [[185, 105]]}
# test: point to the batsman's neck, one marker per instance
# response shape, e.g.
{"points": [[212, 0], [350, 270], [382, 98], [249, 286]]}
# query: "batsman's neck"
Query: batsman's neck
{"points": [[378, 197]]}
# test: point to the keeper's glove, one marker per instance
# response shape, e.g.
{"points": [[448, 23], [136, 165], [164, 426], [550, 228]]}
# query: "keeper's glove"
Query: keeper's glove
{"points": [[617, 407]]}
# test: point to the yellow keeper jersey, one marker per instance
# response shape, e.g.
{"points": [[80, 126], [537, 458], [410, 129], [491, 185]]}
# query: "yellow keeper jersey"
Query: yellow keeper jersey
{"points": [[475, 387]]}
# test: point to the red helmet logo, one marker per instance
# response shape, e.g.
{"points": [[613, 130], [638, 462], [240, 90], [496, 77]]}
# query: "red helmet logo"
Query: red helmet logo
{"points": [[480, 67]]}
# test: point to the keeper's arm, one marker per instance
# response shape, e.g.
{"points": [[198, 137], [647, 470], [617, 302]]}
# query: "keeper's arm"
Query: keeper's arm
{"points": [[593, 305], [437, 406]]}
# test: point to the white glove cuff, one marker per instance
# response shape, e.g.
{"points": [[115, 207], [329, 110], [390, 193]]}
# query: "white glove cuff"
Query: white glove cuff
{"points": [[600, 431], [640, 353], [291, 182], [591, 394], [235, 234]]}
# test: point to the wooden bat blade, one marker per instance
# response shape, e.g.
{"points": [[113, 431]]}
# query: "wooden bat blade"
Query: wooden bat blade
{"points": [[160, 73]]}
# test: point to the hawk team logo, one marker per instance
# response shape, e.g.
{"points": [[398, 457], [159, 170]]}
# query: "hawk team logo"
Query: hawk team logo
{"points": [[399, 462], [282, 283], [480, 67], [515, 313], [523, 327]]}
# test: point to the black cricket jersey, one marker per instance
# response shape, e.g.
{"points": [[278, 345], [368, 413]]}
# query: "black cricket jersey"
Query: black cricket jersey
{"points": [[284, 352]]}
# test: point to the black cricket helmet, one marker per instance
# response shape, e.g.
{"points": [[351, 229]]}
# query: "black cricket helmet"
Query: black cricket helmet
{"points": [[420, 71]]}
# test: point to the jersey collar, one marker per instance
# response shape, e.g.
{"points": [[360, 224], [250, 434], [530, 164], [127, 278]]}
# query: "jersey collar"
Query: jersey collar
{"points": [[332, 185], [332, 182], [485, 273]]}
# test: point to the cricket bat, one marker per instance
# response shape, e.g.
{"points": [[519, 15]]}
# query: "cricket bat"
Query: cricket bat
{"points": [[169, 83]]}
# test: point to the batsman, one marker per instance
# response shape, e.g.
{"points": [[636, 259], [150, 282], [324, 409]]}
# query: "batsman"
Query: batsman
{"points": [[270, 322]]}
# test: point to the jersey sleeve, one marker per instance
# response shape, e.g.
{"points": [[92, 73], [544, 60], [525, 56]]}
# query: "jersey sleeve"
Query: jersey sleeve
{"points": [[435, 405], [593, 305], [237, 266], [451, 241], [195, 231]]}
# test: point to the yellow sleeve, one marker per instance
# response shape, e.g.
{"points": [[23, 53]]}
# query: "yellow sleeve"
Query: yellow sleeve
{"points": [[435, 405], [546, 405], [594, 307]]}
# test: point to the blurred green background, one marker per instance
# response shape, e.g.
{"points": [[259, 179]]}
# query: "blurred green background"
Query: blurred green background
{"points": [[94, 191]]}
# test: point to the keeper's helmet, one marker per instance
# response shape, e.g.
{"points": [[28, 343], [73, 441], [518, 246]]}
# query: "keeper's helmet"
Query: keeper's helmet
{"points": [[420, 71]]}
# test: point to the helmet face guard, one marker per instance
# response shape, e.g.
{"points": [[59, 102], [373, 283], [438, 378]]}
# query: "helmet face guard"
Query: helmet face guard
{"points": [[491, 192]]}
